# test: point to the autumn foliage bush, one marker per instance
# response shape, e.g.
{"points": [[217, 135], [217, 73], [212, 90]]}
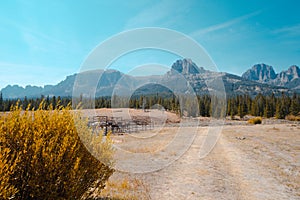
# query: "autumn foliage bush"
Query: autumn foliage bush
{"points": [[255, 120], [42, 156]]}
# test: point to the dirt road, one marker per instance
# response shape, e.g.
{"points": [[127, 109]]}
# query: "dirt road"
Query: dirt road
{"points": [[248, 162]]}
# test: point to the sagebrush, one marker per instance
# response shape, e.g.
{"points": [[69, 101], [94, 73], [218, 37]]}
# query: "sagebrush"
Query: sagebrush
{"points": [[42, 156]]}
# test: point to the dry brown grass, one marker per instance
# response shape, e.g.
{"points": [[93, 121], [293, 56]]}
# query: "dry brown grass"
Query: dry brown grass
{"points": [[126, 187]]}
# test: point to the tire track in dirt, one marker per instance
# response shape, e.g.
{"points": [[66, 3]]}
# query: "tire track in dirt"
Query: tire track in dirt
{"points": [[234, 169], [254, 179], [226, 173], [193, 178]]}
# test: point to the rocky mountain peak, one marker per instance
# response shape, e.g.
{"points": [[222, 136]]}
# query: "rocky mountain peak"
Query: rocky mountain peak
{"points": [[260, 72], [187, 66], [294, 71], [265, 74]]}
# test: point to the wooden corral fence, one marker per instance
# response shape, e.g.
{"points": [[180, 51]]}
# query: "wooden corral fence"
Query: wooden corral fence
{"points": [[119, 125]]}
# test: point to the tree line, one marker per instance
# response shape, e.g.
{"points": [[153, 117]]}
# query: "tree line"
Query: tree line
{"points": [[264, 106], [205, 105]]}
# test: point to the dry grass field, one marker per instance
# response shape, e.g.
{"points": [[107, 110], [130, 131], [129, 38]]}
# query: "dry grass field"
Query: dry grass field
{"points": [[247, 162]]}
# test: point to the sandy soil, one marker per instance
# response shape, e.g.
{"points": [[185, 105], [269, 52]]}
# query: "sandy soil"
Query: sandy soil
{"points": [[157, 116], [247, 162]]}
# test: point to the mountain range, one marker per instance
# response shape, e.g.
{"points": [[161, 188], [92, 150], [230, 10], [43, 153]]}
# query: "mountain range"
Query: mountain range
{"points": [[183, 77], [263, 73]]}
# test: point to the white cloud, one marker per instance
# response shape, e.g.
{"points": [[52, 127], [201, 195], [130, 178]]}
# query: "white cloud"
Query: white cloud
{"points": [[28, 30], [35, 40], [164, 13], [224, 25], [293, 30]]}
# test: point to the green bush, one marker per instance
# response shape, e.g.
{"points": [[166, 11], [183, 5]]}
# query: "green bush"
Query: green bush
{"points": [[42, 156], [255, 120]]}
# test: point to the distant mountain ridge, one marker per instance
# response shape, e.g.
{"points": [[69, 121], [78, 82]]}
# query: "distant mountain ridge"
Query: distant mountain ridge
{"points": [[261, 78], [263, 73]]}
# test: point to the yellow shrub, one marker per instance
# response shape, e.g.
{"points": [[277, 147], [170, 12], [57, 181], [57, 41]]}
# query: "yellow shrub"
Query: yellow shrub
{"points": [[292, 118], [42, 156], [7, 166], [255, 120]]}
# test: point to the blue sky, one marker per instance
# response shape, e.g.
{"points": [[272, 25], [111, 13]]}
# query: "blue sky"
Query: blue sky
{"points": [[41, 42]]}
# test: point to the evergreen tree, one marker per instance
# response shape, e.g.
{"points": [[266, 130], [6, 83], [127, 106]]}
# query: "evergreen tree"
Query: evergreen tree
{"points": [[295, 105], [47, 101], [279, 110], [25, 103], [228, 113], [136, 103], [202, 109], [261, 102], [242, 107], [58, 101], [254, 108], [285, 105], [267, 110], [53, 101], [234, 108], [150, 102], [248, 103], [272, 103]]}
